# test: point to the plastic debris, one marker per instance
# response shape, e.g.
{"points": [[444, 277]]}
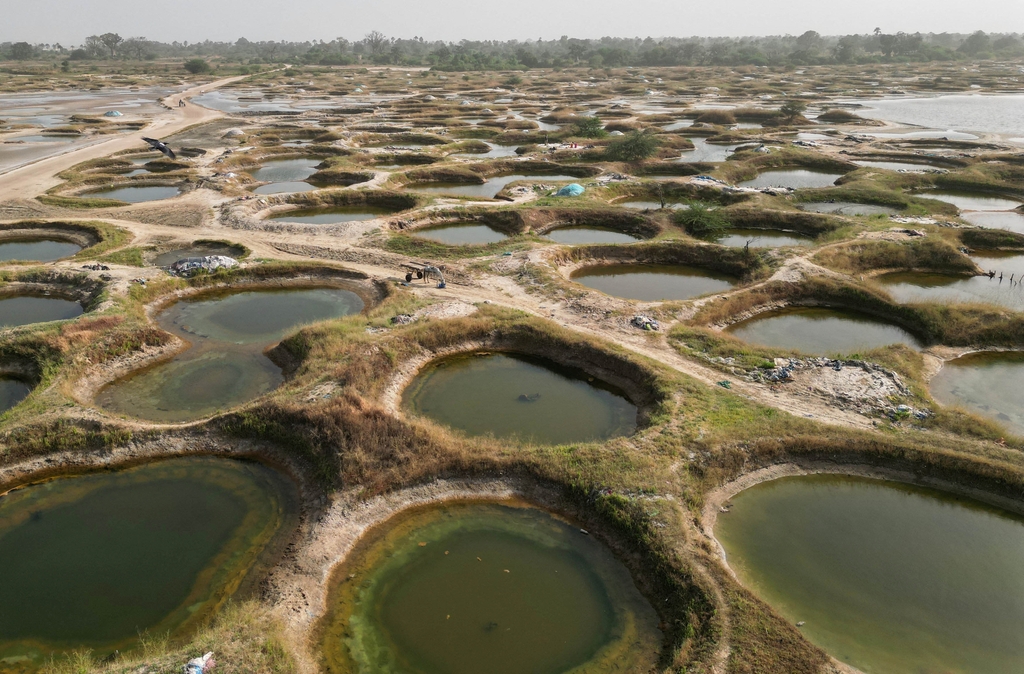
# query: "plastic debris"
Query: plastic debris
{"points": [[570, 190], [203, 663], [190, 266], [644, 322], [725, 383]]}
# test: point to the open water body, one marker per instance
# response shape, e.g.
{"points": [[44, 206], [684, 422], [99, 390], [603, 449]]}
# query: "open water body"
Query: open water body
{"points": [[847, 208], [514, 396], [972, 201], [821, 332], [12, 392], [763, 238], [889, 578], [495, 151], [894, 165], [225, 364], [1010, 220], [986, 383], [137, 194], [985, 114], [652, 283], [465, 234], [584, 235], [92, 561], [795, 179], [333, 215], [488, 189], [444, 589], [36, 250], [706, 152], [29, 309], [951, 289], [286, 175]]}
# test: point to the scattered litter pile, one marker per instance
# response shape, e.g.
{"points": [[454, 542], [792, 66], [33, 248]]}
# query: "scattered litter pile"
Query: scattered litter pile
{"points": [[190, 266], [644, 322]]}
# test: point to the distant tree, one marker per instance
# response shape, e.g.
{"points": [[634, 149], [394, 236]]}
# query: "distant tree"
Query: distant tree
{"points": [[21, 51], [792, 109], [589, 127], [701, 220], [78, 55], [65, 66], [111, 41], [634, 146], [197, 66], [376, 41], [136, 46], [976, 44]]}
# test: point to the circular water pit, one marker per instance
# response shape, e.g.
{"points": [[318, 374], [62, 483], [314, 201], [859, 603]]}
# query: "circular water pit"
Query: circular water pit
{"points": [[884, 576], [225, 364], [135, 194], [1010, 220], [12, 391], [580, 235], [820, 331], [462, 234], [846, 208], [511, 395], [28, 309], [793, 178], [486, 190], [36, 249], [286, 175], [952, 289], [972, 201], [895, 165], [92, 561], [985, 383], [762, 238], [444, 588], [705, 152], [651, 282]]}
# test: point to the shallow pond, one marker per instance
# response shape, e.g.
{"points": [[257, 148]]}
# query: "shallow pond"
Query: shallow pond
{"points": [[847, 208], [333, 215], [36, 250], [795, 179], [1010, 220], [443, 589], [225, 364], [948, 288], [652, 283], [494, 151], [462, 234], [993, 114], [583, 235], [137, 194], [986, 383], [12, 392], [286, 175], [706, 152], [819, 331], [197, 250], [91, 561], [888, 577], [763, 238], [28, 309], [488, 189], [972, 201], [511, 395], [894, 165]]}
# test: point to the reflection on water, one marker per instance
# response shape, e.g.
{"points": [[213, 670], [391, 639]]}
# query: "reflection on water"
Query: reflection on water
{"points": [[443, 589], [36, 250], [653, 282], [509, 396], [986, 383], [28, 309], [887, 577], [12, 392], [225, 364], [462, 234], [821, 332], [582, 235], [135, 195], [972, 201], [992, 114], [95, 560], [707, 152], [762, 238], [488, 189], [795, 179]]}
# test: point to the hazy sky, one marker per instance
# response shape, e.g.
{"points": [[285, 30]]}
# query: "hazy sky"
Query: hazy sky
{"points": [[69, 21]]}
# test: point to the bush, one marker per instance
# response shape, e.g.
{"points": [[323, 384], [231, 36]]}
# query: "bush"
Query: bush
{"points": [[721, 117], [838, 115], [635, 146], [701, 221], [197, 66], [792, 109], [589, 127]]}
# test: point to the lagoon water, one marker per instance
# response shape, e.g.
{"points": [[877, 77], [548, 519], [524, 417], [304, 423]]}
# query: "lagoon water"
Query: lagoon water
{"points": [[762, 238], [579, 235], [29, 309], [820, 332], [652, 283], [706, 152], [36, 250], [462, 234], [462, 588], [991, 114], [795, 179], [514, 396], [986, 383], [225, 364], [948, 288], [889, 578], [286, 175], [91, 561]]}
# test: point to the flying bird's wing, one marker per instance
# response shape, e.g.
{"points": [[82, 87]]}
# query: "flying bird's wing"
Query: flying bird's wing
{"points": [[152, 141], [169, 152]]}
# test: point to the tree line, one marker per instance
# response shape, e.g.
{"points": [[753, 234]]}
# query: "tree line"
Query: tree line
{"points": [[810, 48]]}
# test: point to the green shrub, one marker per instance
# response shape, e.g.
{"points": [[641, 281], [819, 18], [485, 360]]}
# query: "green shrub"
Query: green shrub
{"points": [[635, 146], [701, 221], [589, 127], [197, 66]]}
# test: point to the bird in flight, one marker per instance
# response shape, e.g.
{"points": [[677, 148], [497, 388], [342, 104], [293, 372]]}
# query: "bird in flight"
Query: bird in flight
{"points": [[160, 145]]}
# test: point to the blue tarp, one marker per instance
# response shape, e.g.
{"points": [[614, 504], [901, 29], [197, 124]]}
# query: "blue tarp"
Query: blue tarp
{"points": [[572, 190]]}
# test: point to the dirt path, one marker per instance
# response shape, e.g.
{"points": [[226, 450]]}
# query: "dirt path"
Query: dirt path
{"points": [[34, 179]]}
